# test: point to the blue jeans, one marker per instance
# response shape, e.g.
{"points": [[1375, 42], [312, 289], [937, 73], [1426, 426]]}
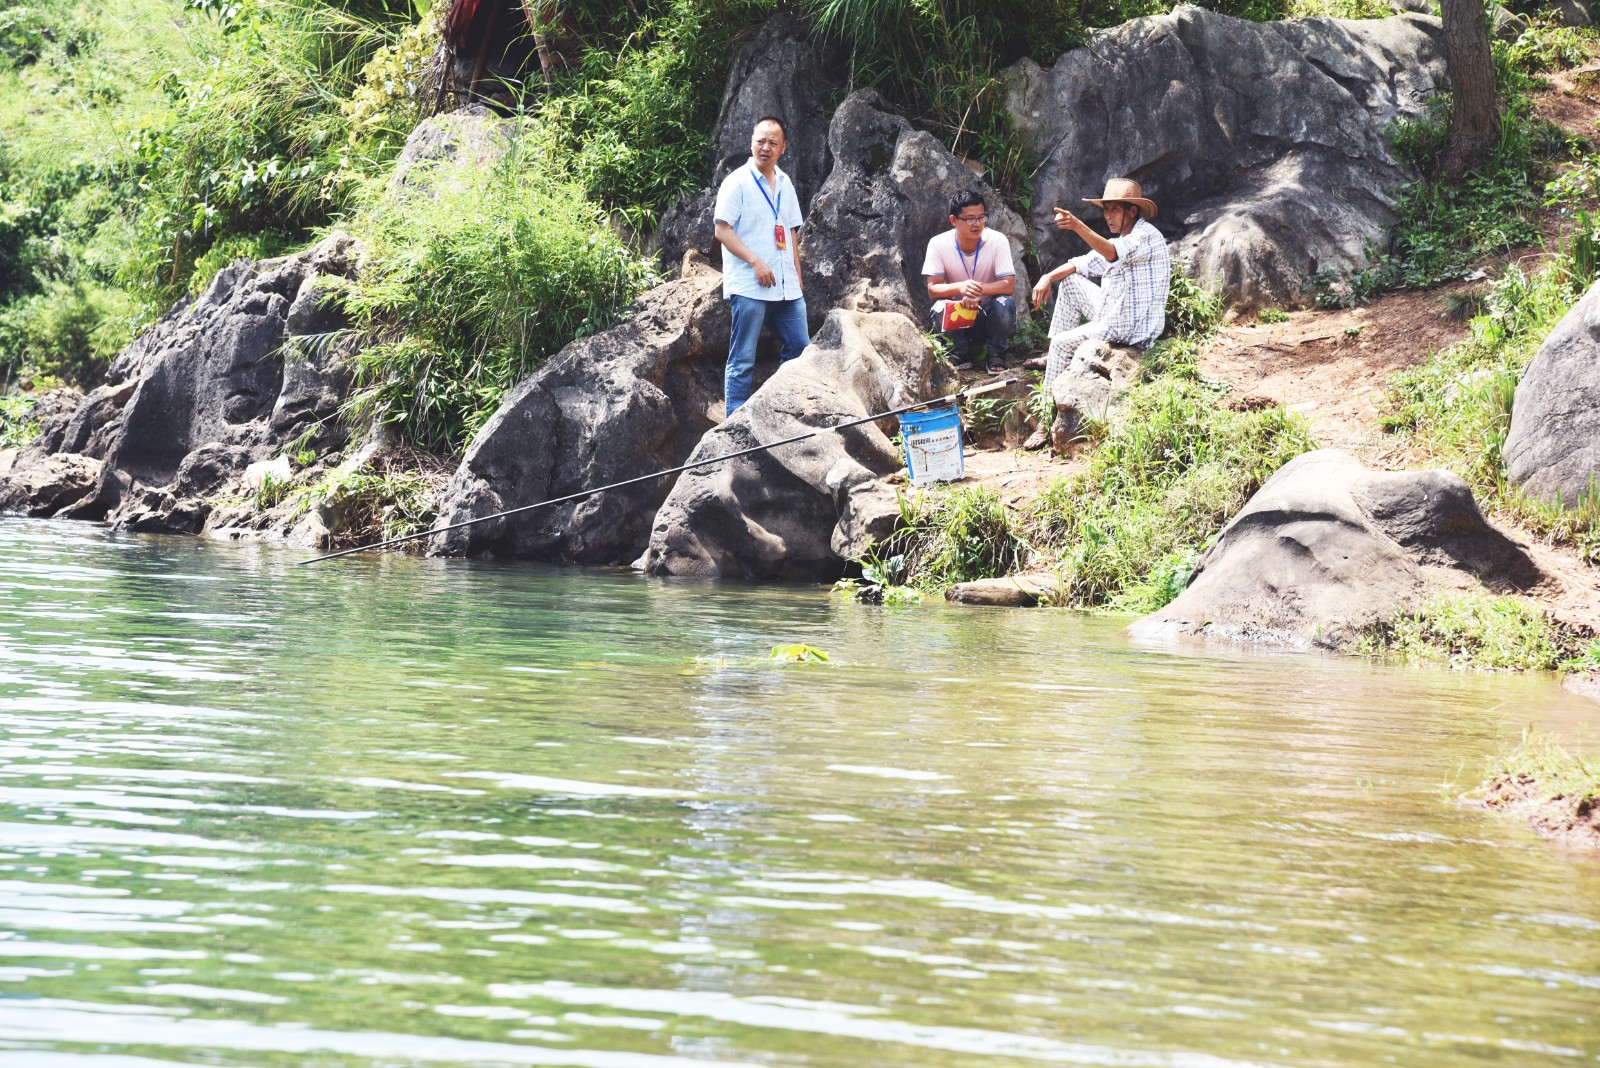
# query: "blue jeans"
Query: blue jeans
{"points": [[997, 321], [785, 318]]}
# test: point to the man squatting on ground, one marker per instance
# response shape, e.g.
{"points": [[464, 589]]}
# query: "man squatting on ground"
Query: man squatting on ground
{"points": [[1129, 306], [758, 222], [962, 268]]}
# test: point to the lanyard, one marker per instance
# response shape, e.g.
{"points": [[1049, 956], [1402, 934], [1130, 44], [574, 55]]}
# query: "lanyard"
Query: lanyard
{"points": [[975, 254], [757, 176]]}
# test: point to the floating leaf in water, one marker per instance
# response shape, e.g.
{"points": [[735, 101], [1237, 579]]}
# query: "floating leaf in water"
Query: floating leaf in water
{"points": [[798, 653]]}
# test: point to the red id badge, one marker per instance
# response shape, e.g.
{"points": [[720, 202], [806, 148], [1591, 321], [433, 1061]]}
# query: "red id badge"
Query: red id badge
{"points": [[780, 238]]}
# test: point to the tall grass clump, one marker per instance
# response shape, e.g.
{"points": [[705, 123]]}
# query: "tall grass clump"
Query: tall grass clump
{"points": [[1168, 473], [1471, 630], [950, 536], [1541, 760], [475, 276]]}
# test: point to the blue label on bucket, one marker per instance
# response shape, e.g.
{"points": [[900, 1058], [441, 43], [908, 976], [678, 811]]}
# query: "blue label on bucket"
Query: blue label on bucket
{"points": [[933, 445]]}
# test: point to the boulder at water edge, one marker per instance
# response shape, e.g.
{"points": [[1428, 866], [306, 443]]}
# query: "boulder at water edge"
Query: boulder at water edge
{"points": [[781, 70], [888, 193], [623, 403], [780, 513], [1263, 143], [216, 384], [1553, 447], [1327, 548]]}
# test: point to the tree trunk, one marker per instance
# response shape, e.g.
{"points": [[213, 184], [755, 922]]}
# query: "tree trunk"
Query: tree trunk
{"points": [[1475, 114]]}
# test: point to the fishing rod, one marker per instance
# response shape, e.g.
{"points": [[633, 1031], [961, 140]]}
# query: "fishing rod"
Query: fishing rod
{"points": [[957, 396]]}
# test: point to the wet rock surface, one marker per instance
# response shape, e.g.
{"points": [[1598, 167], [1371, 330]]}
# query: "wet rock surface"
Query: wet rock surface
{"points": [[773, 514], [1258, 188], [1552, 450], [1328, 547]]}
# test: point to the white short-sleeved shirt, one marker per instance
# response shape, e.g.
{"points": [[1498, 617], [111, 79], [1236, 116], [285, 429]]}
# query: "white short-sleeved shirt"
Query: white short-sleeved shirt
{"points": [[746, 203], [946, 260]]}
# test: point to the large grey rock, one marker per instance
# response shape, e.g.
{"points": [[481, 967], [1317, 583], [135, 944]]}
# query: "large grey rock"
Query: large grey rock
{"points": [[1262, 143], [48, 485], [780, 70], [1327, 548], [1553, 446], [887, 195], [773, 514], [623, 403], [216, 384]]}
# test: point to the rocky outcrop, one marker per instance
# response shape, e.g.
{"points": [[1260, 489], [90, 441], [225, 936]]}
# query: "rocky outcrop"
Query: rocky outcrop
{"points": [[782, 71], [1263, 186], [1553, 447], [620, 404], [215, 385], [888, 193], [774, 514], [1327, 548]]}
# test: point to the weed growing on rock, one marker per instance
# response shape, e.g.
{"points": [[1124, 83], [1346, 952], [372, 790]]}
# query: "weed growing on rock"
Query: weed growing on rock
{"points": [[950, 536], [1471, 630]]}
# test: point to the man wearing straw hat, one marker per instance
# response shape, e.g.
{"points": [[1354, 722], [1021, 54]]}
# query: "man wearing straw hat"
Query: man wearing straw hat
{"points": [[1129, 305]]}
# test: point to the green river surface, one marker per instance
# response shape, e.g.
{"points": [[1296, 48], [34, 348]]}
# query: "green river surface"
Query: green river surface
{"points": [[395, 812]]}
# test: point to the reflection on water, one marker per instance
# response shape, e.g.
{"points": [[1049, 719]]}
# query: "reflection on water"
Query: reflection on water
{"points": [[407, 812]]}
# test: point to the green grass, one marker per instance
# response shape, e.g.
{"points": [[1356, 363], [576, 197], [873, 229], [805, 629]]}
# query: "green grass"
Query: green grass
{"points": [[1557, 772], [17, 426], [1472, 630], [1166, 474], [472, 283]]}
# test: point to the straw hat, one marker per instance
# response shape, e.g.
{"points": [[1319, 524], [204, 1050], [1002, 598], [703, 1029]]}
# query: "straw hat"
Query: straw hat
{"points": [[1125, 191]]}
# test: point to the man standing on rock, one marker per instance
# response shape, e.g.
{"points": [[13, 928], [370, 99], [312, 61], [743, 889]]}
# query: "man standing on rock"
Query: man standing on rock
{"points": [[1129, 305], [758, 222], [970, 282]]}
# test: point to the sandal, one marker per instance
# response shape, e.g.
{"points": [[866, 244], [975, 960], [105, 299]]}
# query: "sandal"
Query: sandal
{"points": [[1036, 364], [995, 366], [1038, 439]]}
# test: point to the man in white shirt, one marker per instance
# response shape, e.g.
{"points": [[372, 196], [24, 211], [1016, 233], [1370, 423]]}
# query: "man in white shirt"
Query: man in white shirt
{"points": [[758, 222], [964, 269], [1129, 305]]}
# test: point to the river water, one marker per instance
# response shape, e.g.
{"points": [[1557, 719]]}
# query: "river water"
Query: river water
{"points": [[395, 812]]}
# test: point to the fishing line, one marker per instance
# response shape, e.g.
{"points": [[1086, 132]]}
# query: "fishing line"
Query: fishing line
{"points": [[956, 396]]}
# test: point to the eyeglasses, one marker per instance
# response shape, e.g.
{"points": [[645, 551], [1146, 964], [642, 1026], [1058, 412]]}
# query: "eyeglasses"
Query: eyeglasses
{"points": [[972, 218]]}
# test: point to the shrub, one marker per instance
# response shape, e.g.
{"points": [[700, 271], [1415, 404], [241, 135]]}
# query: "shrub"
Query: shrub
{"points": [[472, 283], [17, 425], [949, 536]]}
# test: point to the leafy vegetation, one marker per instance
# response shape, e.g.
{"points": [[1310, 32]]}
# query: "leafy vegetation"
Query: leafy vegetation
{"points": [[1557, 772], [1473, 630], [474, 276], [17, 425]]}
